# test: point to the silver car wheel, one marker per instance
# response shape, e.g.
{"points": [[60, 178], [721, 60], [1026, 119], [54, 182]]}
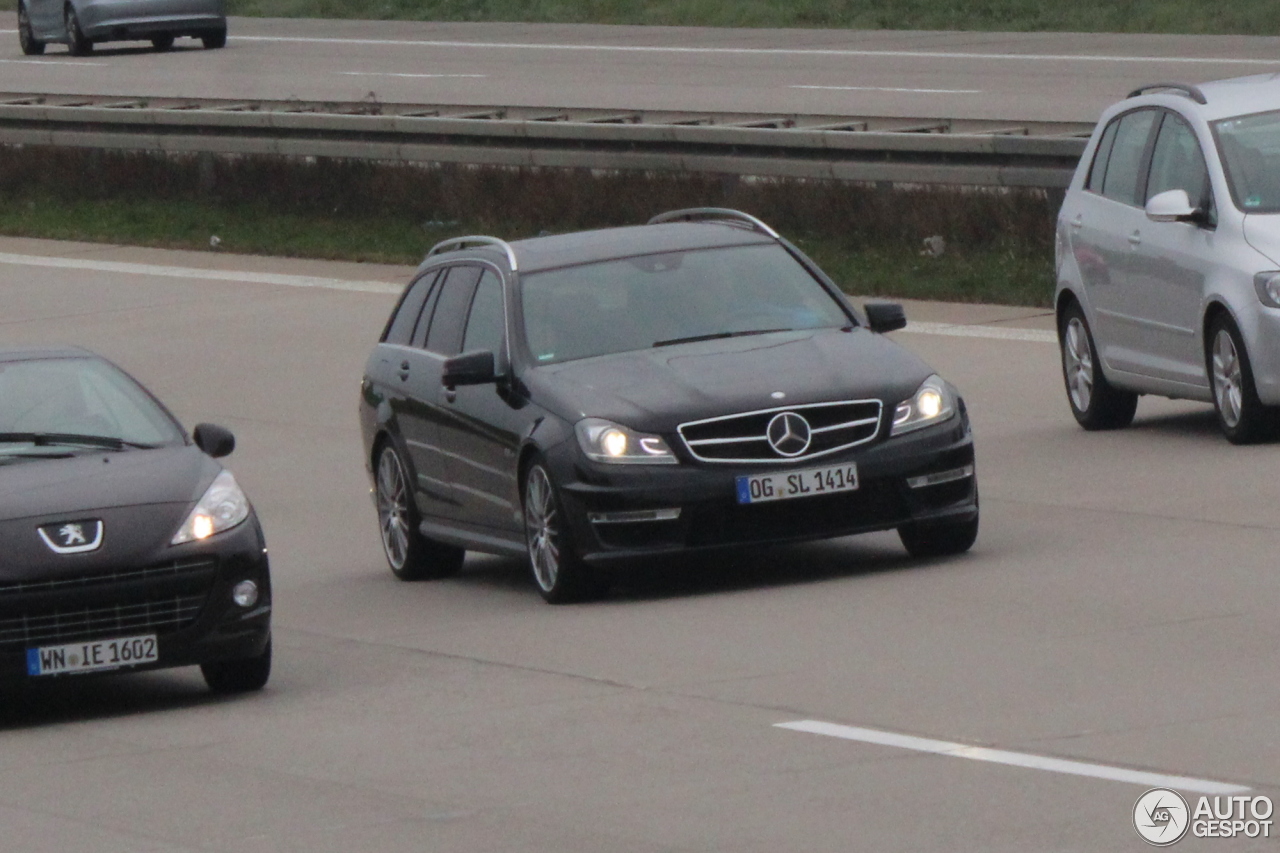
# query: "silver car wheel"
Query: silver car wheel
{"points": [[1227, 378], [540, 528], [393, 508], [1078, 362]]}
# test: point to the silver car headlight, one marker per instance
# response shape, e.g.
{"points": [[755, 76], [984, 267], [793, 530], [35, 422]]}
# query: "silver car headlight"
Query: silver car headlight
{"points": [[1267, 284], [932, 403], [222, 507], [605, 441]]}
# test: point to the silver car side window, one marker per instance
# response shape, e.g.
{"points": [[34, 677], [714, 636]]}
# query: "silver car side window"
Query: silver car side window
{"points": [[1125, 164], [1099, 168], [1177, 163]]}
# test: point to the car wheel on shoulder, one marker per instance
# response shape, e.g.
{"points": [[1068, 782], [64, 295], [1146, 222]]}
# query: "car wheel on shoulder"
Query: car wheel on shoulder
{"points": [[77, 43], [31, 46], [561, 575], [411, 555], [1241, 415], [241, 675], [1095, 402], [162, 42]]}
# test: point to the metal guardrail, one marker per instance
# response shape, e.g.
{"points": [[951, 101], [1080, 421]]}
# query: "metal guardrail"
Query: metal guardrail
{"points": [[864, 149]]}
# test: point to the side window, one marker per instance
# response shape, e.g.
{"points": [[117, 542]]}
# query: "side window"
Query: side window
{"points": [[400, 329], [419, 339], [1125, 165], [486, 325], [445, 335], [1177, 163], [1098, 170]]}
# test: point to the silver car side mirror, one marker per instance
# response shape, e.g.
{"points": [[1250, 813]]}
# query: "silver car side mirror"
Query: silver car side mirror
{"points": [[1171, 206]]}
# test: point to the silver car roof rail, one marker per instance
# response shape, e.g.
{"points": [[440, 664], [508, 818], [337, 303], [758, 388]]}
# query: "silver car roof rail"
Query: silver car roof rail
{"points": [[693, 214], [1192, 92], [455, 243]]}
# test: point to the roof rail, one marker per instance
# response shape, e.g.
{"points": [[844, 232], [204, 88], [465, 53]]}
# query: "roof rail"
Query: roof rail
{"points": [[1192, 92], [694, 213], [455, 243]]}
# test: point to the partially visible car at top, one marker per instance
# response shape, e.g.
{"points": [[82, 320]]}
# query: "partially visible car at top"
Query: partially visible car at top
{"points": [[692, 383], [124, 544], [80, 24], [1168, 257]]}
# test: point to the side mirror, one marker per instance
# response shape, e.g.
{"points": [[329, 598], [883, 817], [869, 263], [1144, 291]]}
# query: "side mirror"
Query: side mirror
{"points": [[1172, 206], [214, 440], [470, 368], [885, 316]]}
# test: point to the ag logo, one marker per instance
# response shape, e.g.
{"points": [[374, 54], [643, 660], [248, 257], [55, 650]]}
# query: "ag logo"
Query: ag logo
{"points": [[1161, 817], [72, 537]]}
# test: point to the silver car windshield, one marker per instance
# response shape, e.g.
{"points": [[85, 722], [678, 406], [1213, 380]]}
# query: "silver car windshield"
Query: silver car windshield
{"points": [[667, 299], [66, 403], [1250, 147]]}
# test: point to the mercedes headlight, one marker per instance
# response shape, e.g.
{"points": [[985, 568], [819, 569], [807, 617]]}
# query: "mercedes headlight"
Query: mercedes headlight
{"points": [[932, 403], [222, 507], [605, 441]]}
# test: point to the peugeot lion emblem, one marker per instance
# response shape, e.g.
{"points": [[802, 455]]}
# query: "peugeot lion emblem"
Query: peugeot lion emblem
{"points": [[72, 537], [789, 434]]}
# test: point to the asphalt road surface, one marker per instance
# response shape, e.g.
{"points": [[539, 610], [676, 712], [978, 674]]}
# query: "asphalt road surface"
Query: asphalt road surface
{"points": [[1016, 77], [1114, 625]]}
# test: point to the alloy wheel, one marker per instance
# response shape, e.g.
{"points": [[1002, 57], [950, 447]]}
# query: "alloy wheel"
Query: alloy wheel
{"points": [[541, 530], [393, 508], [1227, 378], [1078, 362]]}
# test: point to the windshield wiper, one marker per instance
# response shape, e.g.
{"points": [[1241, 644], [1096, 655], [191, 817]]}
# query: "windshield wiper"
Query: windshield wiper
{"points": [[51, 439], [717, 336]]}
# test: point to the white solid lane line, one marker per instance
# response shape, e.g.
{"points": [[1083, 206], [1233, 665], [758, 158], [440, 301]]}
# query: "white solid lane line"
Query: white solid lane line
{"points": [[402, 74], [891, 89], [207, 275], [163, 271], [80, 62], [764, 51], [1014, 759]]}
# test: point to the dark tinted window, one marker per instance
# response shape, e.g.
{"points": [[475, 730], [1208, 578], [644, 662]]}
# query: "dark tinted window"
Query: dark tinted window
{"points": [[400, 329], [1178, 164], [445, 335], [424, 319], [1125, 164], [486, 323], [1099, 169]]}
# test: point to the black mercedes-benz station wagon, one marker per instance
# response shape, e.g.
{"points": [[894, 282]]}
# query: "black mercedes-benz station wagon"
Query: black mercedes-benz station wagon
{"points": [[696, 382], [124, 545]]}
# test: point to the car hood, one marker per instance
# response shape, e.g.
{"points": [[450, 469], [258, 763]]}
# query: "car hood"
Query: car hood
{"points": [[655, 390], [141, 496], [1262, 232]]}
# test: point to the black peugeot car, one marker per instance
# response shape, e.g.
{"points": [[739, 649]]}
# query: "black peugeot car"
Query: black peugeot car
{"points": [[124, 544], [696, 382]]}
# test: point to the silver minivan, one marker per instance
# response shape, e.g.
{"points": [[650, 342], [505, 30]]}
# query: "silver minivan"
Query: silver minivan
{"points": [[1168, 257], [80, 24]]}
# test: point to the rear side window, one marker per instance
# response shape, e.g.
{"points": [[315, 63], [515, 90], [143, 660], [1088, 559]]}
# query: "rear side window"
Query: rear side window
{"points": [[400, 329], [487, 321], [1099, 169], [445, 335], [1124, 167]]}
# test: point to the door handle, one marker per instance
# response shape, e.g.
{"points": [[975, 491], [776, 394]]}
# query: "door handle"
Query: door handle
{"points": [[1078, 222], [404, 371], [450, 395], [1135, 238]]}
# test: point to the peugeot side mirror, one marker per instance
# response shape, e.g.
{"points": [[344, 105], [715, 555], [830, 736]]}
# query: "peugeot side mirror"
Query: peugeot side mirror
{"points": [[885, 316], [214, 440], [470, 368]]}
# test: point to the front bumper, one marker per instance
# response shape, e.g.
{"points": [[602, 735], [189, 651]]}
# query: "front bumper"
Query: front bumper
{"points": [[710, 517], [185, 601]]}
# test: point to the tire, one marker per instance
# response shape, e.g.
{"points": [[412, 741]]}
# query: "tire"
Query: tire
{"points": [[410, 555], [77, 42], [1095, 403], [214, 39], [242, 675], [559, 573], [162, 43], [1241, 415], [939, 538], [31, 46]]}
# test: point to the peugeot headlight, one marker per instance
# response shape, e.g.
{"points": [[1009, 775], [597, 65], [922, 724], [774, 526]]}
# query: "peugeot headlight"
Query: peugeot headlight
{"points": [[605, 441], [932, 403], [1267, 284], [222, 507]]}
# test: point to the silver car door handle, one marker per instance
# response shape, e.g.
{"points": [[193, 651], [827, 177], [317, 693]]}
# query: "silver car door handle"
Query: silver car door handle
{"points": [[1135, 238], [1078, 222]]}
